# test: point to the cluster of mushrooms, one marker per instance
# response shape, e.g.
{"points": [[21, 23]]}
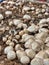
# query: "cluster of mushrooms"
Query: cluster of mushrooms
{"points": [[24, 31]]}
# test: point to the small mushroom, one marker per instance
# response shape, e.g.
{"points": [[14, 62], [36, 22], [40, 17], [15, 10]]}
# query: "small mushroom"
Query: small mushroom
{"points": [[8, 13], [43, 10], [4, 39], [1, 17], [26, 17], [46, 13], [26, 8], [16, 22], [33, 8], [17, 36], [18, 47]]}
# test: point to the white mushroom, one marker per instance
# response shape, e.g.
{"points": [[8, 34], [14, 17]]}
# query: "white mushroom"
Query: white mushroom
{"points": [[16, 22], [11, 2], [15, 40], [43, 6], [7, 49], [30, 53], [24, 26], [37, 12], [18, 47], [26, 8], [28, 43], [7, 28], [32, 8], [46, 61], [41, 35], [47, 51], [26, 37], [43, 25], [20, 53], [1, 17], [11, 55], [8, 41], [39, 15], [10, 23], [37, 9], [47, 40], [9, 38], [43, 30], [20, 25], [43, 10], [26, 17], [48, 20], [36, 61], [4, 39], [39, 41], [46, 13], [32, 28], [11, 44], [8, 13], [17, 36], [2, 29], [42, 21], [21, 32], [35, 46], [24, 60], [41, 55]]}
